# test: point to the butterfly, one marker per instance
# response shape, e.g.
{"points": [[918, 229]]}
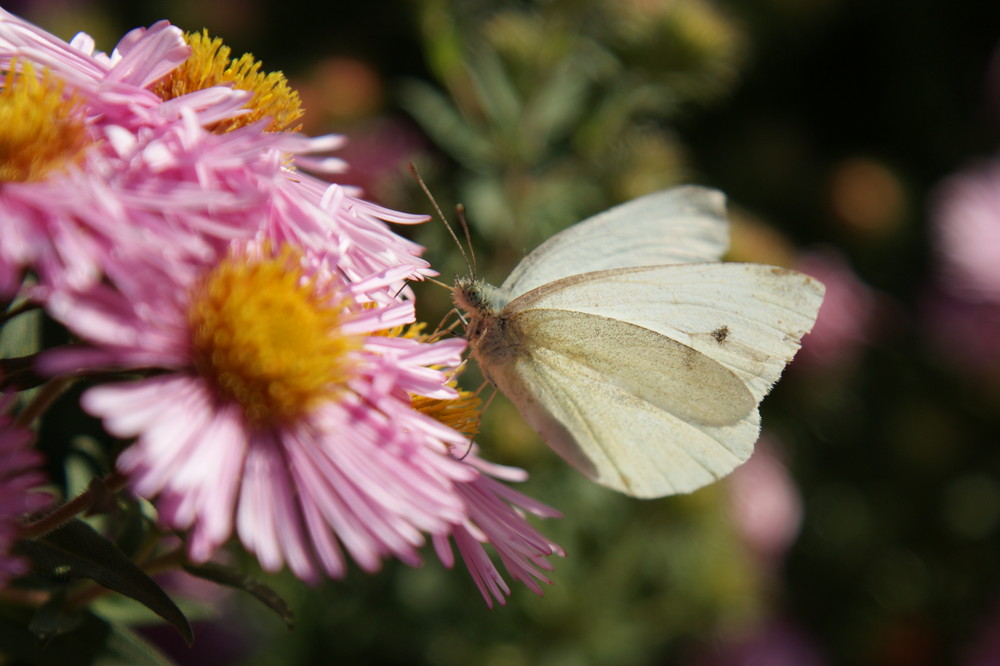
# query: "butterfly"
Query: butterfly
{"points": [[636, 353]]}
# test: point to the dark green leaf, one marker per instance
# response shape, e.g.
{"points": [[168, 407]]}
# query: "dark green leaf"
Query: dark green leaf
{"points": [[232, 578], [76, 551]]}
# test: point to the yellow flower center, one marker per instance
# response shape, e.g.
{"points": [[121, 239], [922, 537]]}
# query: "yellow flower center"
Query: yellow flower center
{"points": [[269, 338], [210, 65], [462, 413], [40, 128]]}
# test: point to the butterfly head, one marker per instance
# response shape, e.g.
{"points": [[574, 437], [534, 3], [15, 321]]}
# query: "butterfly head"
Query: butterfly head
{"points": [[486, 328], [477, 297]]}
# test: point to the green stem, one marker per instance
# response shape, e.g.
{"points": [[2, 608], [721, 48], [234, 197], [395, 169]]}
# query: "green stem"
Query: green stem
{"points": [[46, 396], [98, 490]]}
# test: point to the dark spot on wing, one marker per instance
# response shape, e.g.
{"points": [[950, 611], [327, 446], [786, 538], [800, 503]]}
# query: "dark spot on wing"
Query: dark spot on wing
{"points": [[720, 334]]}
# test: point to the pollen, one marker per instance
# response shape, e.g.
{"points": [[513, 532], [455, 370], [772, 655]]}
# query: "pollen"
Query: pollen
{"points": [[461, 413], [269, 338], [210, 65], [43, 130]]}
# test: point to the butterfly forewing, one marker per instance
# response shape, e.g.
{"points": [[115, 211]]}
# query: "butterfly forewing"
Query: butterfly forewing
{"points": [[682, 225], [748, 317]]}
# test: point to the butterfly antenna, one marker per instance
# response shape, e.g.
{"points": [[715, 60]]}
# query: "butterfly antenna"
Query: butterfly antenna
{"points": [[423, 186], [460, 214], [438, 283]]}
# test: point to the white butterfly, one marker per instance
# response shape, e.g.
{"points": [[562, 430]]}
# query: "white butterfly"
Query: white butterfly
{"points": [[635, 354]]}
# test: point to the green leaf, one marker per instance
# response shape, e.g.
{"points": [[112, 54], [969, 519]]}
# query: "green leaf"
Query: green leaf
{"points": [[22, 335], [236, 579], [442, 42], [20, 340], [555, 109], [445, 125], [76, 551], [498, 96]]}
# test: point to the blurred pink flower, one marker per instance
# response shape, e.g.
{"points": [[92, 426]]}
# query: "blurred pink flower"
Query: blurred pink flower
{"points": [[20, 476], [963, 309], [846, 318], [376, 152], [965, 332], [765, 504], [772, 641], [966, 228]]}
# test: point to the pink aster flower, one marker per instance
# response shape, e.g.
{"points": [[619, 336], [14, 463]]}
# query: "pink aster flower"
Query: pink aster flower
{"points": [[20, 476], [115, 88], [114, 84], [189, 192], [273, 404], [98, 169], [282, 415], [495, 516], [322, 217], [167, 193], [65, 112]]}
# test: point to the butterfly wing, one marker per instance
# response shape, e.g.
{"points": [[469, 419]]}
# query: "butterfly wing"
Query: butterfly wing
{"points": [[648, 379], [748, 317], [679, 225], [630, 408]]}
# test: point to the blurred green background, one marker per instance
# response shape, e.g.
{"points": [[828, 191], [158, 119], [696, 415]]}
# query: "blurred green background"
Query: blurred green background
{"points": [[866, 530]]}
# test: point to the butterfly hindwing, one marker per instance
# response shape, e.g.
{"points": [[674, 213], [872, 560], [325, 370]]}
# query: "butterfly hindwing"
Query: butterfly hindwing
{"points": [[638, 412]]}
